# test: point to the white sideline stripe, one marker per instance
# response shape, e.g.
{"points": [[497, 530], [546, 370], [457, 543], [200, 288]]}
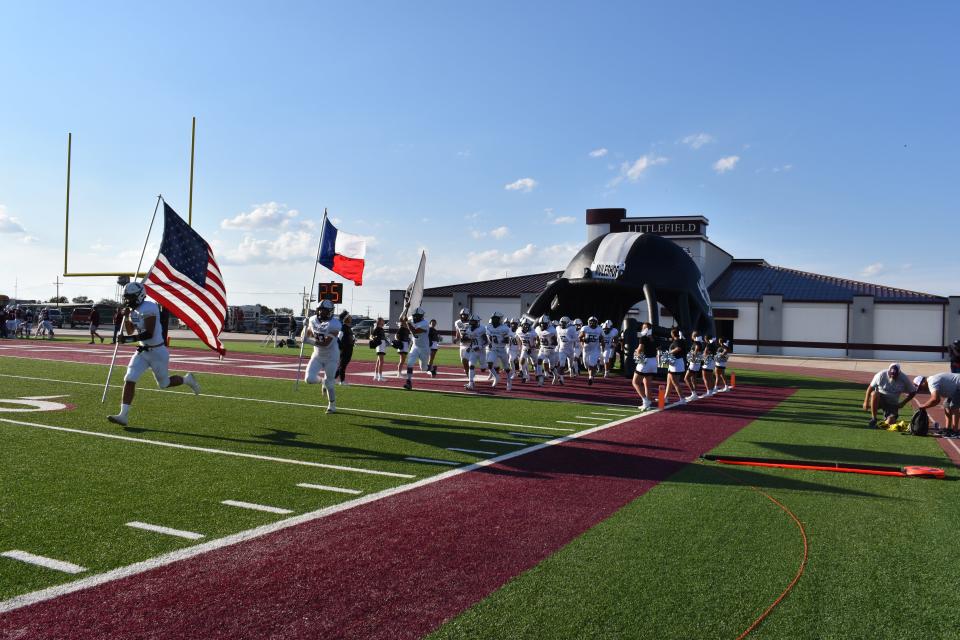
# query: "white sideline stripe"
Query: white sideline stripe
{"points": [[42, 561], [582, 424], [189, 535], [479, 453], [527, 435], [256, 507], [222, 452], [518, 444], [433, 461], [287, 402], [323, 487], [251, 534]]}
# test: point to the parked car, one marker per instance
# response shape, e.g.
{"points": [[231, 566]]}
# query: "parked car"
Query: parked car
{"points": [[80, 316], [56, 317], [363, 328]]}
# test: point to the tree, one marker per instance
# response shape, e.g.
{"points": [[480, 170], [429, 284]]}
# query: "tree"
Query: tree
{"points": [[108, 302], [284, 311], [60, 300], [82, 300]]}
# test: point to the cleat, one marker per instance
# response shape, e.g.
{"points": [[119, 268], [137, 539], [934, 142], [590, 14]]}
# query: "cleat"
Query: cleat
{"points": [[331, 408], [590, 380], [561, 381], [433, 372], [408, 385], [509, 386], [693, 396], [469, 386], [191, 382], [118, 419], [873, 423]]}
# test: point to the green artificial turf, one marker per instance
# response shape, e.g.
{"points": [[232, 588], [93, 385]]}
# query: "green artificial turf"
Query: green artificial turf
{"points": [[702, 555], [68, 496]]}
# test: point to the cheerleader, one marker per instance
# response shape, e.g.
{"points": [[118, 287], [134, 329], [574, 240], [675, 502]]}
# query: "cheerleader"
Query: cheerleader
{"points": [[695, 359], [675, 356], [723, 354], [709, 363], [646, 358]]}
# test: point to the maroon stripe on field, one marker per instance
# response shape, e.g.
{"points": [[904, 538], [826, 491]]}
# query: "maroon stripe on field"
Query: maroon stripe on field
{"points": [[401, 566]]}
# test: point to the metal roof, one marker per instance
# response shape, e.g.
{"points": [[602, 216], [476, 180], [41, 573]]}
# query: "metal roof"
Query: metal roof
{"points": [[500, 288], [750, 280]]}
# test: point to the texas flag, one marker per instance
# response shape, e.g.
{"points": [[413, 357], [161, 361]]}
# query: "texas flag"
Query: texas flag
{"points": [[342, 253]]}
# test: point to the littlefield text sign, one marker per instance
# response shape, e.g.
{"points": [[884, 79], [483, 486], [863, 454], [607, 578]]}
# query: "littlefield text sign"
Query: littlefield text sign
{"points": [[662, 227]]}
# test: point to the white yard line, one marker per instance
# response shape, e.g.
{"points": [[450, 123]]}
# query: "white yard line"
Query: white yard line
{"points": [[250, 534], [592, 418], [42, 561], [432, 461], [340, 409], [179, 533], [479, 453], [323, 487], [516, 444], [526, 435], [221, 452], [582, 424], [256, 507]]}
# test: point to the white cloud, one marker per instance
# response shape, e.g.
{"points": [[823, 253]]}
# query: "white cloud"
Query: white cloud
{"points": [[525, 185], [726, 164], [27, 239], [786, 167], [633, 171], [697, 140], [598, 153], [9, 224], [289, 245], [872, 269], [527, 259], [564, 220], [269, 215], [498, 233]]}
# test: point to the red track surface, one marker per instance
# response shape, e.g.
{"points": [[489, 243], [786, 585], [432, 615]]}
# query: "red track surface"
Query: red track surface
{"points": [[611, 391], [401, 566]]}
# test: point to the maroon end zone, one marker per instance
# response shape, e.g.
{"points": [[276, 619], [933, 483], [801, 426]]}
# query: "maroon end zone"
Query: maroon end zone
{"points": [[401, 566]]}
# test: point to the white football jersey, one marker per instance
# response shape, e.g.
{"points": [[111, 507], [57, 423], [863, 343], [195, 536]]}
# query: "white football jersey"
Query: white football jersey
{"points": [[526, 338], [609, 337], [548, 337], [591, 337], [475, 337], [498, 337], [138, 317], [567, 338], [420, 340], [321, 328], [461, 328]]}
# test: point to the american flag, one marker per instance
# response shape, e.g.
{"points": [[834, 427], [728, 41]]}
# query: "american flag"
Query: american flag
{"points": [[186, 280]]}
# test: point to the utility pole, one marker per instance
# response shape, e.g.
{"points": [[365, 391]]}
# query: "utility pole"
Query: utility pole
{"points": [[57, 284]]}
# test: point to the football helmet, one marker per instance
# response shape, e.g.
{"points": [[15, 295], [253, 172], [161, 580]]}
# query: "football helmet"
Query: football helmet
{"points": [[496, 318], [544, 320], [608, 324], [418, 314], [564, 321], [578, 323], [325, 310], [134, 294], [474, 321], [592, 321], [464, 314]]}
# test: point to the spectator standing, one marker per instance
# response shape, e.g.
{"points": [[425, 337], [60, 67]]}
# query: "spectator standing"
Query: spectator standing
{"points": [[94, 325], [3, 322], [347, 341], [117, 323]]}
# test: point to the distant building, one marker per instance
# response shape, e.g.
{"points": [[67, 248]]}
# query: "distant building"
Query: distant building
{"points": [[767, 309]]}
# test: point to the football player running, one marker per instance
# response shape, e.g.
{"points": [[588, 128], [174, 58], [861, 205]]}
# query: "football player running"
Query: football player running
{"points": [[568, 340], [498, 341], [321, 331], [420, 332], [610, 334], [590, 337], [460, 329], [527, 339], [141, 324], [547, 357], [475, 337], [513, 347]]}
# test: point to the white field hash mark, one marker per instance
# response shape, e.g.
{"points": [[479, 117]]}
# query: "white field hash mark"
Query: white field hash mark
{"points": [[256, 507], [323, 487], [479, 453], [178, 555], [189, 535], [42, 561], [432, 461]]}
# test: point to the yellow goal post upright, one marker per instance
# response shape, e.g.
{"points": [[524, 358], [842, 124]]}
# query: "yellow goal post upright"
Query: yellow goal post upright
{"points": [[66, 233]]}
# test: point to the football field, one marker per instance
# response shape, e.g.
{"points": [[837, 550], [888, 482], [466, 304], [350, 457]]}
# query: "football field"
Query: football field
{"points": [[457, 515]]}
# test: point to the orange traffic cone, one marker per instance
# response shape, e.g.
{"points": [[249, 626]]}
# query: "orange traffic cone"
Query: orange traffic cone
{"points": [[661, 397], [733, 381]]}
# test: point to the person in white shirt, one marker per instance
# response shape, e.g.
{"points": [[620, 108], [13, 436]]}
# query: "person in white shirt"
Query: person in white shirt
{"points": [[527, 339], [883, 393], [460, 328], [646, 364], [547, 357], [609, 338], [321, 330], [943, 387], [473, 339], [591, 337], [568, 340], [498, 341], [420, 334], [141, 324], [513, 347]]}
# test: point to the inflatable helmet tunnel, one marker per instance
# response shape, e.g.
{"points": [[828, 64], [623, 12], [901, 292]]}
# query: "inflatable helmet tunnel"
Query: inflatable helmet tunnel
{"points": [[612, 273]]}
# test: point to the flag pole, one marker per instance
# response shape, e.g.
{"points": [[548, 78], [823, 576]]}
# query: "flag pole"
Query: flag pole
{"points": [[116, 345], [313, 283]]}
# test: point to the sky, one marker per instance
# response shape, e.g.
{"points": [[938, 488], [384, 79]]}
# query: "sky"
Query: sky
{"points": [[819, 136]]}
